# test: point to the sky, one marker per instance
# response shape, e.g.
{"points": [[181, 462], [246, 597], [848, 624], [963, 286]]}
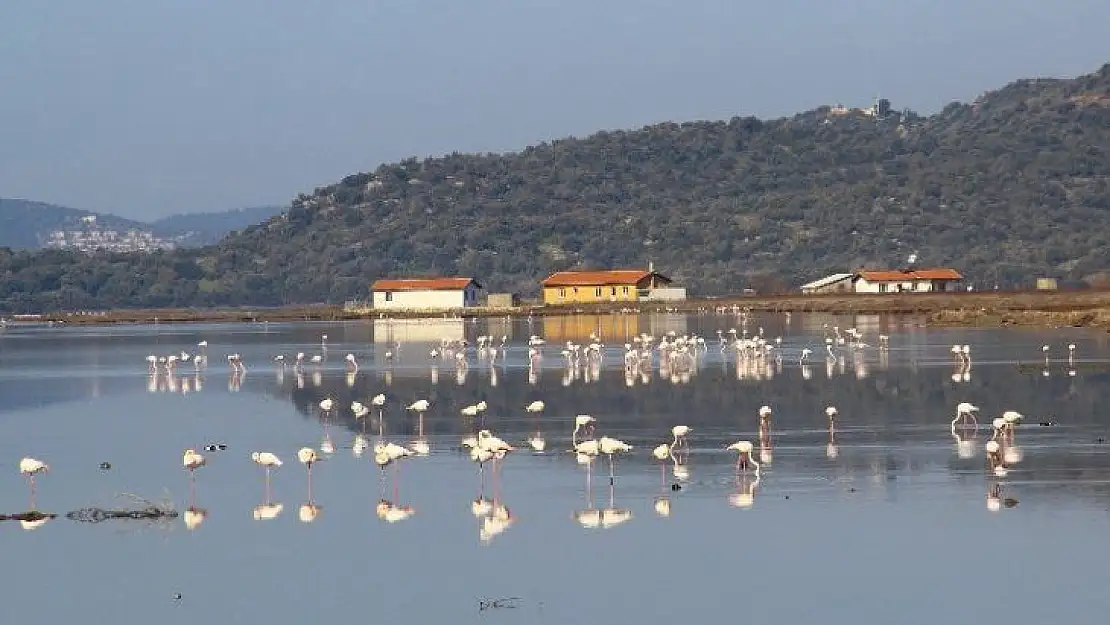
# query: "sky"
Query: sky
{"points": [[145, 108]]}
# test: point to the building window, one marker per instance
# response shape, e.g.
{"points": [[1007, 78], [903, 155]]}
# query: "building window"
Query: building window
{"points": [[613, 290], [562, 292], [882, 288], [389, 296], [597, 292], [625, 291]]}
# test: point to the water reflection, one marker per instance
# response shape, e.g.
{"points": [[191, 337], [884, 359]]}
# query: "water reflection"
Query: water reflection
{"points": [[882, 460]]}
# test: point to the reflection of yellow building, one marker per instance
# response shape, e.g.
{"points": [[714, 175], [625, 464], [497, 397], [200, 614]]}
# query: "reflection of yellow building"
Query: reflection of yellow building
{"points": [[620, 285], [578, 328]]}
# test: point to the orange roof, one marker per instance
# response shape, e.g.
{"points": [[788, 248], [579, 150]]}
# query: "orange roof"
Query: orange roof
{"points": [[599, 278], [423, 284], [909, 276]]}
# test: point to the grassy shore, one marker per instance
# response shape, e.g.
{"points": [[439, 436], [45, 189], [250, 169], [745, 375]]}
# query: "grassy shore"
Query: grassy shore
{"points": [[1033, 308]]}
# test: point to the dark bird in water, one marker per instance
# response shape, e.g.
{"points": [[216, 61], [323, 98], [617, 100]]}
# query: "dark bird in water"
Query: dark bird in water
{"points": [[104, 466], [215, 447]]}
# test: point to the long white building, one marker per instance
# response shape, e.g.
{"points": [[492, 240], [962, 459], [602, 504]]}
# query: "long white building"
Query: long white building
{"points": [[425, 293]]}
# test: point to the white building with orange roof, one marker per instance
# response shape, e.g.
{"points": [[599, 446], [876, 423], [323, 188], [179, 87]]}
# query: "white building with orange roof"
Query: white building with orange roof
{"points": [[908, 281], [425, 293]]}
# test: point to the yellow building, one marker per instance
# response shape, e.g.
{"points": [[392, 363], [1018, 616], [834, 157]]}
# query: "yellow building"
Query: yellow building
{"points": [[594, 287]]}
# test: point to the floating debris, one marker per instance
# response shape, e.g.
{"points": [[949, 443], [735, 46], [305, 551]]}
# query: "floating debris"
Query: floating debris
{"points": [[99, 515], [507, 603], [105, 466], [147, 511], [29, 516]]}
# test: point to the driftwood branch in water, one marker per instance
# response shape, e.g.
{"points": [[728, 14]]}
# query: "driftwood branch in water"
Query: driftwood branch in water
{"points": [[31, 515], [149, 511]]}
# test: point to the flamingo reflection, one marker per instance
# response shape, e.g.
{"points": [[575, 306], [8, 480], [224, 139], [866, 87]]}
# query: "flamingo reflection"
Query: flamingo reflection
{"points": [[744, 497]]}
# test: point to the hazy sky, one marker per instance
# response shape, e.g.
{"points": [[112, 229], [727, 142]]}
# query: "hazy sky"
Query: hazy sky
{"points": [[147, 107]]}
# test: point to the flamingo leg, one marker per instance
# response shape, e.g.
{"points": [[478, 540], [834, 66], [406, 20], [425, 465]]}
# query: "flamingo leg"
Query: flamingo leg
{"points": [[611, 473], [31, 482], [310, 483], [267, 485]]}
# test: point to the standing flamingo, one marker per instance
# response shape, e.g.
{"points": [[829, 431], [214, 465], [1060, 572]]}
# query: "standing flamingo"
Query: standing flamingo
{"points": [[744, 458], [192, 461], [32, 467], [536, 441], [420, 445], [581, 421], [662, 453], [379, 401], [268, 461], [679, 433], [308, 457], [610, 446]]}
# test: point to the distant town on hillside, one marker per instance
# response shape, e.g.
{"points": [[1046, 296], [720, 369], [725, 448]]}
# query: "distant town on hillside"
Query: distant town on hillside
{"points": [[26, 224]]}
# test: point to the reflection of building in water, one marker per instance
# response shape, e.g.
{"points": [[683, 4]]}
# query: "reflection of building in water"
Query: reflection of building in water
{"points": [[498, 327], [660, 324], [868, 323], [418, 330], [608, 328]]}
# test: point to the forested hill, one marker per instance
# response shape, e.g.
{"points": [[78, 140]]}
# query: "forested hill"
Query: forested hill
{"points": [[1014, 186], [197, 229]]}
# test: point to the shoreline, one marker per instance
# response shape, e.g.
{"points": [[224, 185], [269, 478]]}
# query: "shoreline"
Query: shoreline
{"points": [[991, 309]]}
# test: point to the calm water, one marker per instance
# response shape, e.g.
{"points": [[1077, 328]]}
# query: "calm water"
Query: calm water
{"points": [[883, 523]]}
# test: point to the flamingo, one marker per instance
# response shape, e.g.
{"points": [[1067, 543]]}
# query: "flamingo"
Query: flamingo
{"points": [[610, 446], [679, 433], [964, 411], [994, 458], [536, 440], [764, 417], [744, 458], [268, 461], [32, 467], [581, 421], [420, 445], [662, 453], [379, 401], [307, 456], [192, 461]]}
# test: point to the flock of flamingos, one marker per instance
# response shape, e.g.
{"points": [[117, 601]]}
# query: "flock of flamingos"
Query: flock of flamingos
{"points": [[674, 357]]}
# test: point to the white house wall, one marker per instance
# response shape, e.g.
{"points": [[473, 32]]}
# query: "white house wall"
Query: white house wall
{"points": [[410, 300], [921, 286]]}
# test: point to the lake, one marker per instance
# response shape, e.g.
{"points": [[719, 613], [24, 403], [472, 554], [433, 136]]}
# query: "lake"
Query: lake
{"points": [[885, 518]]}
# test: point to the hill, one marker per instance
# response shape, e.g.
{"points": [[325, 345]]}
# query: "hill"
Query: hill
{"points": [[26, 224], [198, 229], [1013, 186]]}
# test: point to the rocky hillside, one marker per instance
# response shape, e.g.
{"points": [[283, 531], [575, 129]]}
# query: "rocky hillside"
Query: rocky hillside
{"points": [[1011, 187]]}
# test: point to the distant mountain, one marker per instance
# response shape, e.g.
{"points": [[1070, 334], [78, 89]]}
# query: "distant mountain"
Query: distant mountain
{"points": [[196, 229], [26, 224]]}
